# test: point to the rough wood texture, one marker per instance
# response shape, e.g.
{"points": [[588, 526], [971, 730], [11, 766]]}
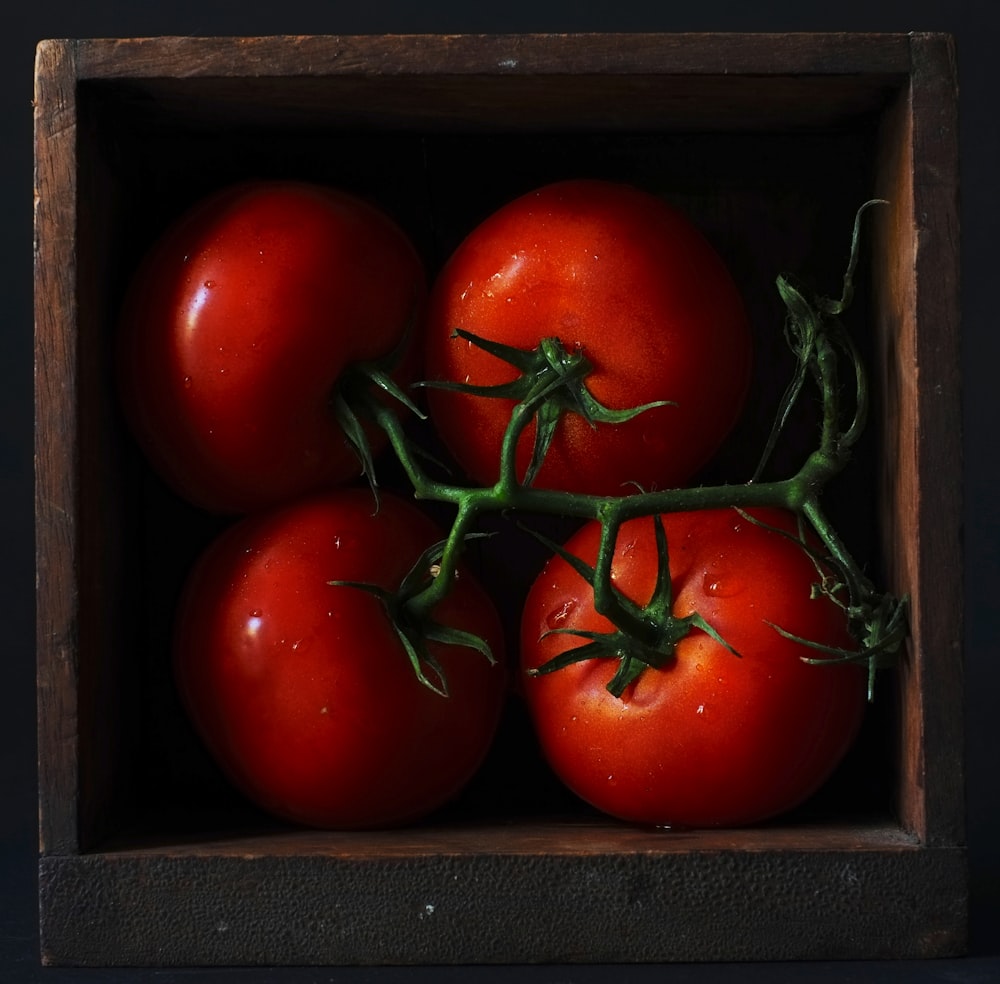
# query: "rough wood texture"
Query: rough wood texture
{"points": [[763, 54], [782, 135], [460, 907], [56, 450], [519, 81], [918, 326]]}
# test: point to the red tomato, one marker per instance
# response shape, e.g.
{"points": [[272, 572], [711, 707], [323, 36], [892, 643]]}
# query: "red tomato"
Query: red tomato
{"points": [[710, 738], [238, 326], [302, 691], [618, 272]]}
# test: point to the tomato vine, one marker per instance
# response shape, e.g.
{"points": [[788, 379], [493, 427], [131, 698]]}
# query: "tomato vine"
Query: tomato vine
{"points": [[553, 382]]}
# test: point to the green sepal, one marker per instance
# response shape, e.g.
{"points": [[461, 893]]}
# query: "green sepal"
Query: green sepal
{"points": [[377, 375], [415, 633], [877, 623], [354, 392], [450, 636], [644, 635], [880, 631], [355, 434], [552, 382]]}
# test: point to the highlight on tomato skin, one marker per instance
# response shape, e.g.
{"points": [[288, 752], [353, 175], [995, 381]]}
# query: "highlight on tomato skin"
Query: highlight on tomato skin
{"points": [[709, 739], [302, 691], [617, 271], [240, 323]]}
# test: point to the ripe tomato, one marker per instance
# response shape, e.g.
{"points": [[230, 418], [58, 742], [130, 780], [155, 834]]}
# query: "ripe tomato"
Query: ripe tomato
{"points": [[237, 327], [303, 692], [618, 272], [710, 738]]}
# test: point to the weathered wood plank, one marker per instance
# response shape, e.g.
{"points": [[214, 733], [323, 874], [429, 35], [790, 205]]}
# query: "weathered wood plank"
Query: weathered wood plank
{"points": [[938, 522], [488, 908], [521, 54], [56, 448], [916, 254]]}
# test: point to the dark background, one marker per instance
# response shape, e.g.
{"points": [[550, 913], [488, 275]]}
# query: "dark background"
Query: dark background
{"points": [[974, 25]]}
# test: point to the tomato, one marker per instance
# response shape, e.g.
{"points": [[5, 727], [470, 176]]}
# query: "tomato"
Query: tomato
{"points": [[619, 273], [302, 690], [709, 738], [238, 326]]}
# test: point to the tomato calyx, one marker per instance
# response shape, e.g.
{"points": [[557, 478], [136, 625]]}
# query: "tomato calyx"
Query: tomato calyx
{"points": [[552, 382], [881, 631], [877, 622], [414, 625], [359, 386], [644, 635]]}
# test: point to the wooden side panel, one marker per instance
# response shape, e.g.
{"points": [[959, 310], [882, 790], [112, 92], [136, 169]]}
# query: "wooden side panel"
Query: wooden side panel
{"points": [[938, 618], [917, 321], [56, 445]]}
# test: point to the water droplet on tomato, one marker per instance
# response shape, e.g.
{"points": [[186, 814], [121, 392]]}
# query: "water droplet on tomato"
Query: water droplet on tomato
{"points": [[187, 382], [209, 284], [344, 541], [557, 617], [724, 586], [256, 613]]}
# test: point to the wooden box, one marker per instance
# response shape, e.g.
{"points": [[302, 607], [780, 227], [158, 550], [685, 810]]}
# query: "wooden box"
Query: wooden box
{"points": [[771, 142]]}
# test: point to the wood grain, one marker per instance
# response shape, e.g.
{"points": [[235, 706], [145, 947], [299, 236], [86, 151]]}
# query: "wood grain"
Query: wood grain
{"points": [[56, 449]]}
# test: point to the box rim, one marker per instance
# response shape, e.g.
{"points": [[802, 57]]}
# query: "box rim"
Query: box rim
{"points": [[722, 53]]}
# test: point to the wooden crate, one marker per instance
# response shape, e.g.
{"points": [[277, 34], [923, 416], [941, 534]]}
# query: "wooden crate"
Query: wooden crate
{"points": [[771, 142]]}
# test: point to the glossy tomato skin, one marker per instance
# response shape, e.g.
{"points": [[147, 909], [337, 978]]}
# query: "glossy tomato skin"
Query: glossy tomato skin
{"points": [[239, 323], [620, 273], [710, 739], [302, 691]]}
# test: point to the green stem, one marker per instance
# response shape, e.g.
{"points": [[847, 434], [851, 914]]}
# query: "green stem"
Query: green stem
{"points": [[820, 343]]}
